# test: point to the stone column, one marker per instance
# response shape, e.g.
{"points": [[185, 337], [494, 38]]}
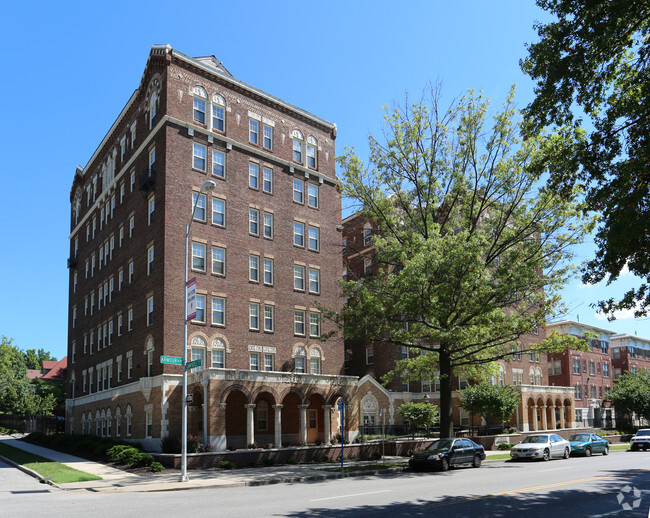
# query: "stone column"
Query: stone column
{"points": [[278, 425], [534, 423], [303, 423], [572, 416], [206, 404], [544, 411], [327, 416], [250, 424], [525, 425], [562, 422]]}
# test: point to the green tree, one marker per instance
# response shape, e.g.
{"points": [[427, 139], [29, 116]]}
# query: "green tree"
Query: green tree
{"points": [[419, 415], [34, 358], [17, 394], [471, 250], [592, 63], [631, 394], [494, 403]]}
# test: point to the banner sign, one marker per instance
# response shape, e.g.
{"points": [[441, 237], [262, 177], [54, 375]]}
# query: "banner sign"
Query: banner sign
{"points": [[190, 289]]}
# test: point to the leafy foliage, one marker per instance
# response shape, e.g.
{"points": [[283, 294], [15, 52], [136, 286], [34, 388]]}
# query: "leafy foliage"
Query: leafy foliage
{"points": [[593, 63], [420, 415], [494, 403], [631, 393], [471, 251]]}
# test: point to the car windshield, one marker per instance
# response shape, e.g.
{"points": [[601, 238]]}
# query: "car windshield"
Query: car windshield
{"points": [[535, 439], [643, 432], [440, 446], [579, 437]]}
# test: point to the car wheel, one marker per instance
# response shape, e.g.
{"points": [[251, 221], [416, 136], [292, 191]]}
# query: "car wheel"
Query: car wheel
{"points": [[444, 465], [546, 456], [477, 461], [645, 447], [567, 453], [606, 450], [588, 452], [634, 447]]}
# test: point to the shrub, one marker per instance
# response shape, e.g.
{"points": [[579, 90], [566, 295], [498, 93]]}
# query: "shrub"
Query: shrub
{"points": [[376, 455], [139, 459], [504, 446], [156, 467], [115, 453], [318, 442], [252, 446], [130, 456], [194, 444], [226, 464]]}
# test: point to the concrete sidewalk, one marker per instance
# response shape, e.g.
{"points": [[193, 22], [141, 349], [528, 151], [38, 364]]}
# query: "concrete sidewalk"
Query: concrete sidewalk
{"points": [[118, 481]]}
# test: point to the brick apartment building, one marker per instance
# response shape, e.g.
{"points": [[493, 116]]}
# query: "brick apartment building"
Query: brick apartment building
{"points": [[264, 249], [542, 406], [590, 373], [630, 353]]}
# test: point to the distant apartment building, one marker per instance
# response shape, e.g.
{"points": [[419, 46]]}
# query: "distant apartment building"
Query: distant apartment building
{"points": [[590, 373], [264, 249]]}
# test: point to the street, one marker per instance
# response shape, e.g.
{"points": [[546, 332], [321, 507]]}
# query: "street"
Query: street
{"points": [[616, 485]]}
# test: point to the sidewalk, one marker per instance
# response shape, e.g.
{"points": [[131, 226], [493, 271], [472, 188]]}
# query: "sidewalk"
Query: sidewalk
{"points": [[118, 481]]}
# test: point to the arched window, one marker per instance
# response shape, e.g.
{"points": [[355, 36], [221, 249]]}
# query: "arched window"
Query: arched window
{"points": [[300, 359], [298, 140], [312, 152], [98, 422], [108, 422], [218, 113], [153, 109], [129, 421], [315, 360], [103, 425], [118, 422], [198, 345], [83, 423], [200, 98], [538, 377]]}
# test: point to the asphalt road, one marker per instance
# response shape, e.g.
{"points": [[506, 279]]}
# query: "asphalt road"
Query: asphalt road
{"points": [[617, 485]]}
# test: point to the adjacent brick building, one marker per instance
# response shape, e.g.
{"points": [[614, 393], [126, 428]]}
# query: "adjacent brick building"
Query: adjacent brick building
{"points": [[264, 249]]}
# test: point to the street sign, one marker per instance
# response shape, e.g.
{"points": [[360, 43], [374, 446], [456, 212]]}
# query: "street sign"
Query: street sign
{"points": [[192, 364], [172, 360]]}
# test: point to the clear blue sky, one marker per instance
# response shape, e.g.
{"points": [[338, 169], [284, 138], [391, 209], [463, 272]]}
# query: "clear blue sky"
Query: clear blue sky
{"points": [[69, 68]]}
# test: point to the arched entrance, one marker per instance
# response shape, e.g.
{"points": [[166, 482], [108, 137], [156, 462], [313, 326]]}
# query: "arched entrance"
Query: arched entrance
{"points": [[291, 418], [236, 420]]}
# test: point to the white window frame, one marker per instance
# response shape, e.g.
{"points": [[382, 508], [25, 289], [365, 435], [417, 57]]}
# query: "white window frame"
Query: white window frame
{"points": [[216, 252], [218, 306], [198, 256]]}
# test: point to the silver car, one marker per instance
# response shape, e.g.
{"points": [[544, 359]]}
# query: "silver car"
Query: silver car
{"points": [[541, 446]]}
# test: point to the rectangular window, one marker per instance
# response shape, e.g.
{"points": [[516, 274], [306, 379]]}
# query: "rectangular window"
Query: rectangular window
{"points": [[576, 366], [299, 278], [297, 150], [314, 238], [132, 181], [298, 322], [150, 255], [268, 318], [218, 260], [149, 424], [199, 157], [150, 311], [253, 131], [120, 279], [199, 200], [314, 280], [253, 268], [367, 266], [367, 235], [606, 370], [151, 210], [268, 225], [199, 110], [578, 394], [312, 195], [218, 358], [121, 238], [592, 368], [298, 190], [268, 137], [130, 320], [131, 225], [298, 234], [253, 221], [311, 156], [314, 325], [198, 257], [119, 325], [254, 315], [200, 309], [133, 126], [267, 179], [370, 355], [129, 367], [219, 212], [254, 361], [218, 164], [219, 311], [268, 362], [300, 364], [268, 271], [152, 160], [253, 175], [314, 365]]}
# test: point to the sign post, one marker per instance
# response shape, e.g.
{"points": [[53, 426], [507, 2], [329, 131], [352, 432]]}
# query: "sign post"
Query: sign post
{"points": [[342, 410]]}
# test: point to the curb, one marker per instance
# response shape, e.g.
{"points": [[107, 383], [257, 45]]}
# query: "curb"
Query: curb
{"points": [[29, 472]]}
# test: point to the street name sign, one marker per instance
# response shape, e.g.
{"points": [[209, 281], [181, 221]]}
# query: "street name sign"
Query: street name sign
{"points": [[192, 364], [172, 360]]}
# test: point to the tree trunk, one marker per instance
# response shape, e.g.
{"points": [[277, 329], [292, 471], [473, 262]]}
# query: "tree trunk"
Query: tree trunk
{"points": [[446, 416]]}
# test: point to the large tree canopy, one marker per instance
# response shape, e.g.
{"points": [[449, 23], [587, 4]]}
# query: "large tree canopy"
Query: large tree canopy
{"points": [[472, 251], [592, 64], [631, 394], [495, 403]]}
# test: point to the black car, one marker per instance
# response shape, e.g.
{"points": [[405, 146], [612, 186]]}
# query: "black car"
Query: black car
{"points": [[445, 453]]}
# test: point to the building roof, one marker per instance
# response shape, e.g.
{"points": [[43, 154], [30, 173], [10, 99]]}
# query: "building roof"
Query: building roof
{"points": [[57, 370], [33, 374]]}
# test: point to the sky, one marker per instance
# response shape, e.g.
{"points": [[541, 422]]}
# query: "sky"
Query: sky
{"points": [[70, 68]]}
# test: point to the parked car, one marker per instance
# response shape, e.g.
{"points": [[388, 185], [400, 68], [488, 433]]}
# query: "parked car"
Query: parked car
{"points": [[445, 453], [640, 440], [588, 443], [541, 446]]}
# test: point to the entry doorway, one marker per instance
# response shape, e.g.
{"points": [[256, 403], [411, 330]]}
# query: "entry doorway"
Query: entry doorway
{"points": [[312, 425]]}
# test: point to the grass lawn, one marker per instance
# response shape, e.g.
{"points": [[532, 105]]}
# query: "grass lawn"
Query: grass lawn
{"points": [[619, 447], [55, 471]]}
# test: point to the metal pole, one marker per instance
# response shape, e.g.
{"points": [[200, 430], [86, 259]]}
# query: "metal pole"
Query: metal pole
{"points": [[342, 429], [184, 477]]}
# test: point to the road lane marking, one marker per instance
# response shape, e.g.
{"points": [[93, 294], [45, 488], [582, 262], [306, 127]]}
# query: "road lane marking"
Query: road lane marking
{"points": [[536, 488], [348, 496]]}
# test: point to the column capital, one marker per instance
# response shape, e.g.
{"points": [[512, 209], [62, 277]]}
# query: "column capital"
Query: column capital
{"points": [[278, 406], [303, 407], [327, 407], [249, 405], [222, 406]]}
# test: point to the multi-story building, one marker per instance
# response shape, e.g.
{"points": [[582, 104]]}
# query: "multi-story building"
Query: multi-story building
{"points": [[542, 406], [589, 372], [630, 353], [264, 248]]}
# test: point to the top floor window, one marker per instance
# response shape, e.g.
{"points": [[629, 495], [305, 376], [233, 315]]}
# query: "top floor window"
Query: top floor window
{"points": [[218, 113], [268, 137], [367, 234], [153, 110], [297, 140], [312, 148], [200, 97], [253, 131]]}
